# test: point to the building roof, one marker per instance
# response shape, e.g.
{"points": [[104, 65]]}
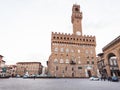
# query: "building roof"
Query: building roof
{"points": [[100, 54], [28, 62], [111, 43]]}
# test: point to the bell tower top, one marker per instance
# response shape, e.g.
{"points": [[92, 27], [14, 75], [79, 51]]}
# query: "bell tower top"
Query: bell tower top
{"points": [[76, 8], [76, 19]]}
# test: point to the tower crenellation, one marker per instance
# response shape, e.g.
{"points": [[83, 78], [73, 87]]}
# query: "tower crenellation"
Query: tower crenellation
{"points": [[64, 37]]}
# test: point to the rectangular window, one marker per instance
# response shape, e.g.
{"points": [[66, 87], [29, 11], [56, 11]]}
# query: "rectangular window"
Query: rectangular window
{"points": [[79, 67], [92, 62], [72, 69]]}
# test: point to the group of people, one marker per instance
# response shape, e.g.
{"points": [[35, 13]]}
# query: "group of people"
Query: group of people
{"points": [[106, 78]]}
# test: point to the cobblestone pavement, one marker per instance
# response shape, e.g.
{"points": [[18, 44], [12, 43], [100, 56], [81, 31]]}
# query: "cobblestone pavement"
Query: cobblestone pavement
{"points": [[56, 84]]}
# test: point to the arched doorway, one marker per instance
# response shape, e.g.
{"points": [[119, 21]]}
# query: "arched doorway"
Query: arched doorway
{"points": [[72, 74], [89, 73]]}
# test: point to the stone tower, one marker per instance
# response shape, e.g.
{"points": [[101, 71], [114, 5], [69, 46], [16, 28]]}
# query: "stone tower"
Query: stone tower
{"points": [[76, 20]]}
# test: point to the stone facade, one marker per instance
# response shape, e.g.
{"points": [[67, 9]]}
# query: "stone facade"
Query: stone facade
{"points": [[11, 70], [73, 55], [101, 65], [32, 68]]}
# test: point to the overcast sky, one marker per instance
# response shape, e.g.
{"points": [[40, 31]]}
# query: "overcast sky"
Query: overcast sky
{"points": [[26, 25]]}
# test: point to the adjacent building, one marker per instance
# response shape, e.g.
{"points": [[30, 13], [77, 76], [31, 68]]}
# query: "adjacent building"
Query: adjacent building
{"points": [[11, 70], [32, 68], [101, 65], [111, 57], [73, 55], [2, 67], [2, 62]]}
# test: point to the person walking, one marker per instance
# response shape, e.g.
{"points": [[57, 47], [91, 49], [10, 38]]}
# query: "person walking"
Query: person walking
{"points": [[104, 78], [34, 77], [109, 78]]}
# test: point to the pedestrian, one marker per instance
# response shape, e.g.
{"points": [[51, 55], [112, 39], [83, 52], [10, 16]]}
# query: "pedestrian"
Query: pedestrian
{"points": [[101, 78], [34, 77], [109, 78], [104, 78]]}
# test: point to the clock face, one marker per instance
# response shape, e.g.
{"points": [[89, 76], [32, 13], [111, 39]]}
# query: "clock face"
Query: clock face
{"points": [[78, 33]]}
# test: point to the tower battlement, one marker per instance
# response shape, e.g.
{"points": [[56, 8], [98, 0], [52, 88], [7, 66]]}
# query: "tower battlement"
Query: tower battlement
{"points": [[68, 34], [58, 33], [71, 38]]}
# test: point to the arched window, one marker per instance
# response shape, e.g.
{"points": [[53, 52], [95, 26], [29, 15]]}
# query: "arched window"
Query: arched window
{"points": [[78, 51], [67, 61], [79, 62], [91, 52], [55, 61], [56, 49], [67, 50], [86, 51], [64, 38], [57, 37], [61, 61], [62, 49], [77, 9]]}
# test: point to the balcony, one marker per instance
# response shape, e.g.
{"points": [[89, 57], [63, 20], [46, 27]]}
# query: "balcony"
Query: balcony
{"points": [[72, 62]]}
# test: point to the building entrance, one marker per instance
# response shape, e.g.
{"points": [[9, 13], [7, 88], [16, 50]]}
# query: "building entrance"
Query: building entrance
{"points": [[72, 74], [89, 73]]}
